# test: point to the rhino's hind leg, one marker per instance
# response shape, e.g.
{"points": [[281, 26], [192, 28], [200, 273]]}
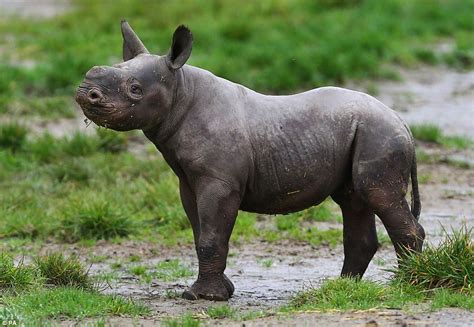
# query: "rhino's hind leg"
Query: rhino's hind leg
{"points": [[360, 237], [404, 231], [382, 184]]}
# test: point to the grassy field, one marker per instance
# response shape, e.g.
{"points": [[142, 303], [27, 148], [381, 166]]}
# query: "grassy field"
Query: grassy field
{"points": [[317, 42], [84, 189]]}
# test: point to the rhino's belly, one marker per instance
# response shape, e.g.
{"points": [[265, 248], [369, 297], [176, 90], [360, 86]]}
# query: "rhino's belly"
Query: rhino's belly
{"points": [[281, 203], [283, 183]]}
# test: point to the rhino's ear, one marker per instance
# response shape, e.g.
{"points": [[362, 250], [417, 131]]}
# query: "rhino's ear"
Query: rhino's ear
{"points": [[132, 46], [180, 48]]}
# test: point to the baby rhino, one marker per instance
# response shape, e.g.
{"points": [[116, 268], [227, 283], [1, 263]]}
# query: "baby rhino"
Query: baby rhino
{"points": [[235, 149]]}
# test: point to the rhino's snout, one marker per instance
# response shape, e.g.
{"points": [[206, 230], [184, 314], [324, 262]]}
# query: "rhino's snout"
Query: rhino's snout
{"points": [[94, 96], [88, 95]]}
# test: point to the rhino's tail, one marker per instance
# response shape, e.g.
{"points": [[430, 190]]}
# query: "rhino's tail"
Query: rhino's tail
{"points": [[415, 194]]}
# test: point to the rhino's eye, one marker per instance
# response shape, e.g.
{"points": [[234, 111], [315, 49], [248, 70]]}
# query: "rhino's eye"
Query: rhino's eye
{"points": [[136, 90]]}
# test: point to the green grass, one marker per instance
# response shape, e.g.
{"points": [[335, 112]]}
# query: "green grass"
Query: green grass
{"points": [[282, 46], [8, 317], [142, 272], [267, 263], [12, 135], [441, 276], [383, 238], [168, 270], [95, 219], [221, 312], [172, 270], [111, 141], [15, 277], [434, 159], [61, 271], [85, 187], [346, 294], [172, 294], [186, 320], [443, 298], [49, 107], [138, 270], [289, 228], [322, 212], [64, 302], [341, 294], [449, 265], [433, 134], [55, 287]]}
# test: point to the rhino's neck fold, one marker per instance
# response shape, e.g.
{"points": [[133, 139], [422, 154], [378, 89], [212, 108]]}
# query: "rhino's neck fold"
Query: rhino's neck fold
{"points": [[182, 98]]}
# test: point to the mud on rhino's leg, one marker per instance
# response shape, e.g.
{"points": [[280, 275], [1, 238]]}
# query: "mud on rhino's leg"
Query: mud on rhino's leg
{"points": [[404, 231], [217, 207], [360, 236], [188, 199]]}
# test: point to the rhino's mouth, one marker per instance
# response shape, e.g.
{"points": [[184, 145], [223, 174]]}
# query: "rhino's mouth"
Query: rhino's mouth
{"points": [[94, 104]]}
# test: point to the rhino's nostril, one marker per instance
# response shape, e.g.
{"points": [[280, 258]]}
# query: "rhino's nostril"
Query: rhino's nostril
{"points": [[94, 96]]}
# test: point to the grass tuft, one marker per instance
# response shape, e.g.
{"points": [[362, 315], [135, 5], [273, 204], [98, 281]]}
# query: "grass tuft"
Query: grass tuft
{"points": [[341, 294], [61, 271], [10, 317], [73, 169], [441, 276], [186, 320], [15, 277], [13, 136], [433, 134], [95, 220], [450, 265], [111, 141], [80, 145], [72, 303], [221, 312]]}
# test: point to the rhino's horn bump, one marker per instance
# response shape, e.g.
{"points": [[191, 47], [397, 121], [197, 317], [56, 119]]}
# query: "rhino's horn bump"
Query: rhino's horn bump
{"points": [[132, 45]]}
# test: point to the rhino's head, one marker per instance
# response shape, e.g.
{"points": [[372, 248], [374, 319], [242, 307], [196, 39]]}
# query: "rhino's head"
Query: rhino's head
{"points": [[137, 93]]}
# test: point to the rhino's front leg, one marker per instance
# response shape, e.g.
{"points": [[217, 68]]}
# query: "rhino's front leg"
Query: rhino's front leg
{"points": [[188, 199], [217, 206]]}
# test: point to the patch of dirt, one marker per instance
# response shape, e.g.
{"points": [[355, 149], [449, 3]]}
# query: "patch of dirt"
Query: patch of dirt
{"points": [[34, 8]]}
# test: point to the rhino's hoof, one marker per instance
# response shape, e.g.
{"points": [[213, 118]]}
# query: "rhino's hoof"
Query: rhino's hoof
{"points": [[215, 290], [228, 285], [188, 294]]}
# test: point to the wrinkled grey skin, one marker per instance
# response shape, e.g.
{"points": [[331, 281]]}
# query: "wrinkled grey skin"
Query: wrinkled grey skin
{"points": [[233, 148]]}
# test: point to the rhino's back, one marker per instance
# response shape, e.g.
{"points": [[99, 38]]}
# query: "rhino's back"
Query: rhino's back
{"points": [[302, 145]]}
